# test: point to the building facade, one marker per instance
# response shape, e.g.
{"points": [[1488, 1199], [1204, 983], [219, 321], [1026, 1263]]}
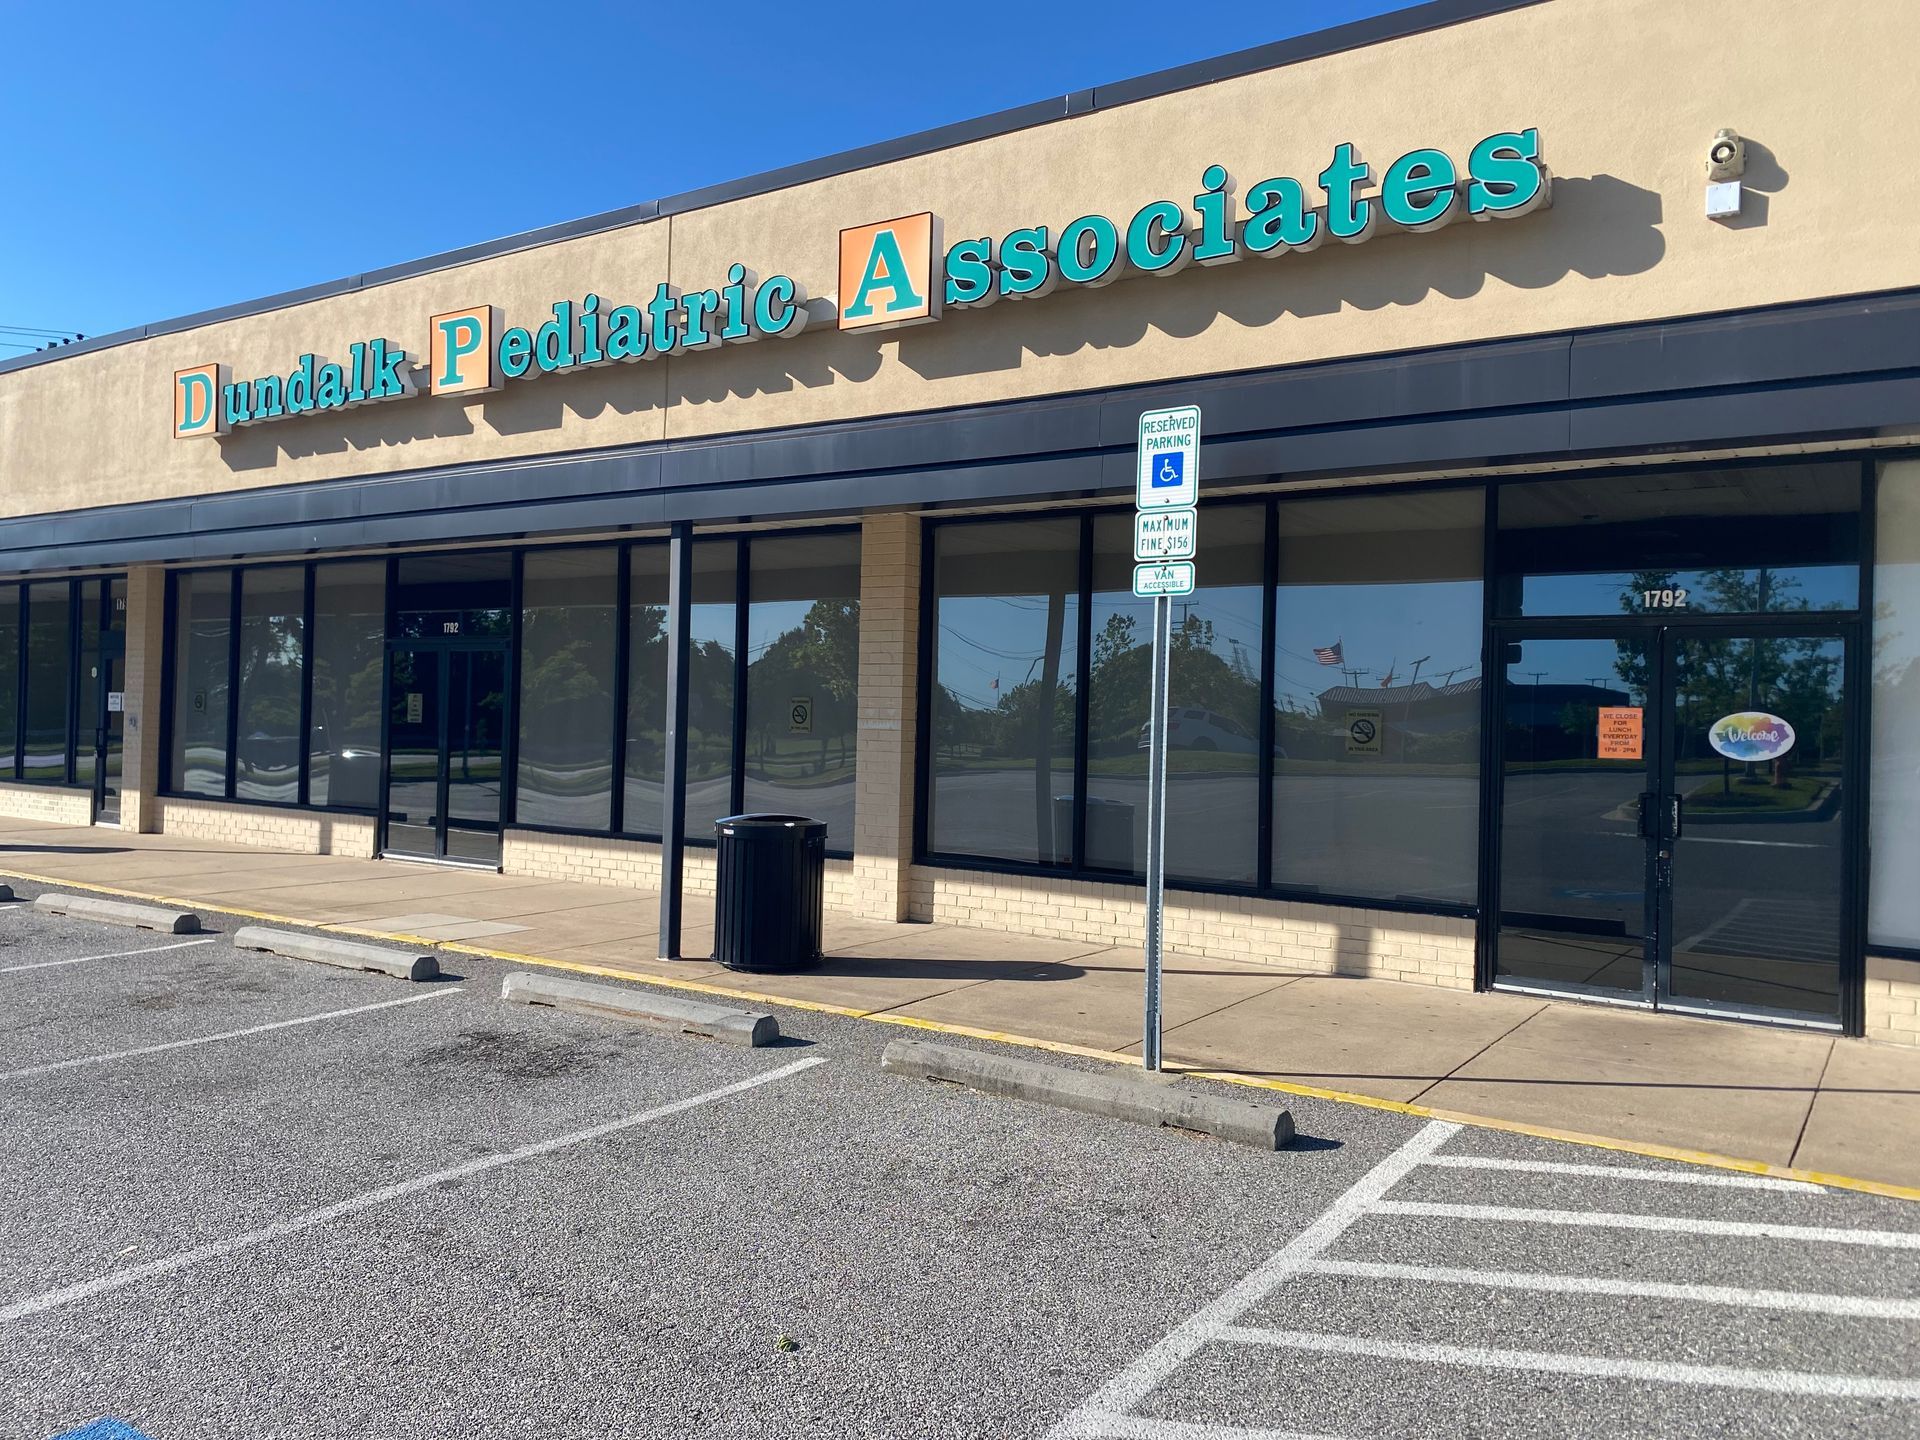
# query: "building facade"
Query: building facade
{"points": [[1558, 612]]}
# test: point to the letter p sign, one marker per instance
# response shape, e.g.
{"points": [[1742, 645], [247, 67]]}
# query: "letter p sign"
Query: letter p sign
{"points": [[196, 401], [891, 273], [460, 351]]}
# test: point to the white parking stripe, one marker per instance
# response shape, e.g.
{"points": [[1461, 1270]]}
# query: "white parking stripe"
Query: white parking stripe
{"points": [[1864, 1306], [111, 955], [52, 1066], [1127, 1389], [1682, 1224], [1103, 1425], [280, 1230], [1779, 1382], [1626, 1172]]}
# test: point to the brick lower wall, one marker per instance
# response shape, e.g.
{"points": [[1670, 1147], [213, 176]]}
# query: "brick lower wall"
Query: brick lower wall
{"points": [[55, 804], [300, 832], [1893, 1000], [1319, 939], [634, 864]]}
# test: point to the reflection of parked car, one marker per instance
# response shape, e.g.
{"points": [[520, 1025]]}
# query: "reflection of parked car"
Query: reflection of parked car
{"points": [[1202, 730]]}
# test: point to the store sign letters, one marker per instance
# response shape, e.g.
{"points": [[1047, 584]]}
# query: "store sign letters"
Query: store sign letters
{"points": [[893, 273]]}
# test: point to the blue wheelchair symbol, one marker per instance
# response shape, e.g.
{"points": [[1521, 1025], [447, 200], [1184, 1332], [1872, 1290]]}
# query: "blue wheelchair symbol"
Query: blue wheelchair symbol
{"points": [[1169, 470]]}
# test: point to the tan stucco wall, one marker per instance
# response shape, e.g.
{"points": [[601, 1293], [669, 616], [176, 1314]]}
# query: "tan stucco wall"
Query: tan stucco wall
{"points": [[1626, 94]]}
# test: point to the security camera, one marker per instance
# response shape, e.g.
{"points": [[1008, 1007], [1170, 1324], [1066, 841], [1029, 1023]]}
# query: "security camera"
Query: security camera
{"points": [[1726, 156]]}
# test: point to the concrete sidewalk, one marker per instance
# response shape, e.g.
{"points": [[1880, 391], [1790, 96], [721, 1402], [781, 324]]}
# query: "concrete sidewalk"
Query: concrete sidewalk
{"points": [[1840, 1107]]}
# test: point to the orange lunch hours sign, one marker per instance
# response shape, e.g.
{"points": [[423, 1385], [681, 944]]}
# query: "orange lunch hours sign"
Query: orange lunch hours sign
{"points": [[893, 273], [1621, 732]]}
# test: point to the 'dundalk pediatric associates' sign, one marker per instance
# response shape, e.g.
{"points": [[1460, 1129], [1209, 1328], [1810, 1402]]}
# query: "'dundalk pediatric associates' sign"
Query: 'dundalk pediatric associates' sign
{"points": [[891, 273]]}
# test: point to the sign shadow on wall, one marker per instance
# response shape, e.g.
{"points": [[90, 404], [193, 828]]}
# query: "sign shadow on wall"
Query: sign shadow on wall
{"points": [[534, 407], [1598, 226]]}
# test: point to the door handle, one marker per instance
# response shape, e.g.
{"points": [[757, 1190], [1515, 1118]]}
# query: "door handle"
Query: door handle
{"points": [[1673, 818], [1643, 825]]}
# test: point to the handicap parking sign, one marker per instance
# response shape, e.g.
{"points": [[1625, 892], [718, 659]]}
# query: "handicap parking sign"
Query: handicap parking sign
{"points": [[1167, 459]]}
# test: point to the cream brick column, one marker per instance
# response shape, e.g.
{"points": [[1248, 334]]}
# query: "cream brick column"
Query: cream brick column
{"points": [[883, 794], [146, 651]]}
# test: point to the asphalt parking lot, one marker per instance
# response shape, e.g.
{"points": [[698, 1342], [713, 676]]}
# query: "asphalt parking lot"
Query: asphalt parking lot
{"points": [[248, 1196]]}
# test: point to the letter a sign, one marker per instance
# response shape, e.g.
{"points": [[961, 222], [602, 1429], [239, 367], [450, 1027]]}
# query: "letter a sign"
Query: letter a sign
{"points": [[891, 273]]}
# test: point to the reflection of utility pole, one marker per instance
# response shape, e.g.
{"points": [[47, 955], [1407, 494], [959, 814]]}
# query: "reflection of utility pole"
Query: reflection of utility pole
{"points": [[1536, 674], [1353, 674], [1406, 710], [1753, 659], [1447, 679]]}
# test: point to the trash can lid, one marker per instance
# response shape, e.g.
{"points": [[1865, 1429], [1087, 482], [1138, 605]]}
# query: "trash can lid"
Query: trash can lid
{"points": [[761, 822]]}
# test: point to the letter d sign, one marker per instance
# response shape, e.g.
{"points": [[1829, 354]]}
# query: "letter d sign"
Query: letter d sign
{"points": [[196, 401]]}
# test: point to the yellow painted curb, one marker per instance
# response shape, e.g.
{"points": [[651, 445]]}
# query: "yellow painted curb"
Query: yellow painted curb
{"points": [[1648, 1149]]}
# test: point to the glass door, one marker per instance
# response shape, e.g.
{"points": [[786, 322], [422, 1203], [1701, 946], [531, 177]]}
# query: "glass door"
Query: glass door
{"points": [[446, 724], [414, 713], [1671, 818], [102, 679], [1758, 867], [1576, 783], [475, 754]]}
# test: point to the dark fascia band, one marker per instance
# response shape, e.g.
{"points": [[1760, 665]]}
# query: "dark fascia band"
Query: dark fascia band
{"points": [[1358, 34], [1811, 371]]}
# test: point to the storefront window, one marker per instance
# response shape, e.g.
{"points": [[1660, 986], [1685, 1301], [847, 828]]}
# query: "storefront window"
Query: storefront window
{"points": [[272, 637], [1005, 645], [201, 635], [567, 637], [49, 674], [9, 677], [712, 642], [347, 648], [1376, 650], [1893, 911], [86, 727], [803, 678], [646, 688], [1716, 542], [1213, 724]]}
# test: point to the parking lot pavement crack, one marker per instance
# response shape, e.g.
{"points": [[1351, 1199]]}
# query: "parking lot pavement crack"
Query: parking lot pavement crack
{"points": [[283, 1229], [56, 1065]]}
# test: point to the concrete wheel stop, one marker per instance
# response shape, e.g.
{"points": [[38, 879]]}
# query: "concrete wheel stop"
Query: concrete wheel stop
{"points": [[1133, 1096], [652, 1009], [332, 950], [119, 912]]}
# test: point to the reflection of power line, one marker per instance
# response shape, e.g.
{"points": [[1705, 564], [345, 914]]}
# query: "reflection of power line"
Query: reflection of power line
{"points": [[988, 649]]}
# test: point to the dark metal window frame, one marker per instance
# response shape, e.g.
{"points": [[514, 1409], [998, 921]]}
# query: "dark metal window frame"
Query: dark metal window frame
{"points": [[624, 550], [1853, 627], [80, 589], [1263, 886], [169, 788]]}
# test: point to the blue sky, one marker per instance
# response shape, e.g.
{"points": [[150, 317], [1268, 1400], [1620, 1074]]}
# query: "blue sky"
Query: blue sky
{"points": [[162, 159]]}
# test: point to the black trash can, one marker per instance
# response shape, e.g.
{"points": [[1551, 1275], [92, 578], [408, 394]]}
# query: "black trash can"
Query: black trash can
{"points": [[769, 892]]}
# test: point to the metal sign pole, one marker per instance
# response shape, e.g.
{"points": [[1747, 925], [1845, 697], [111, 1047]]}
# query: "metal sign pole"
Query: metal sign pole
{"points": [[1157, 820], [1166, 529]]}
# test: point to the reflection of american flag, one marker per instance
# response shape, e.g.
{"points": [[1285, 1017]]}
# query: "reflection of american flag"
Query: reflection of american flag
{"points": [[1329, 654]]}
